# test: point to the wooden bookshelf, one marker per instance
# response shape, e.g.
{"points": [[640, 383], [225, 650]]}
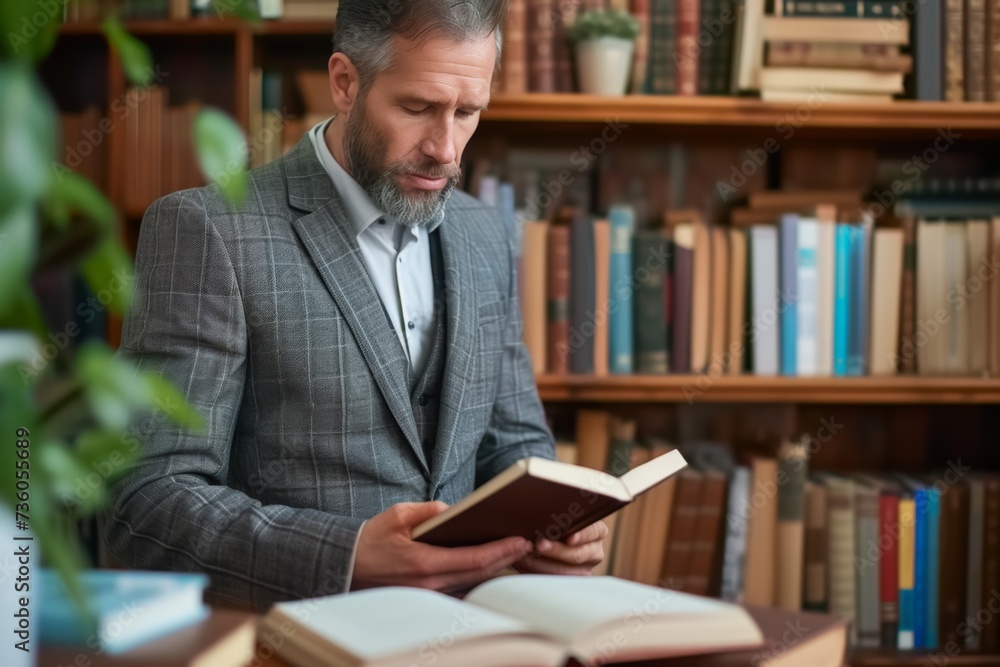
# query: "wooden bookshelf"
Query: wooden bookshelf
{"points": [[208, 26], [902, 115], [896, 390]]}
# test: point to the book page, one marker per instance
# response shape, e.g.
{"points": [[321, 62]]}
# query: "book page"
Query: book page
{"points": [[650, 474], [376, 624], [570, 607]]}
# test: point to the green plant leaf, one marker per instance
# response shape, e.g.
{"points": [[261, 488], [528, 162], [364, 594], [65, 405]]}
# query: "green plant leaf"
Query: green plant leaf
{"points": [[107, 453], [27, 137], [62, 469], [113, 388], [72, 193], [222, 153], [136, 59], [18, 249], [16, 407], [244, 9], [23, 313], [109, 269], [170, 401], [29, 28]]}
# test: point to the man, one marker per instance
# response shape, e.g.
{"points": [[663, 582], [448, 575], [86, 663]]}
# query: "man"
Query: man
{"points": [[351, 335]]}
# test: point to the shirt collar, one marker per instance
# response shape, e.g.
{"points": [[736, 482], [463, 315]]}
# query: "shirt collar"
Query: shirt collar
{"points": [[360, 209]]}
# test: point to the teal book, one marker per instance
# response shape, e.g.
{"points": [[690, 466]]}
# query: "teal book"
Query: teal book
{"points": [[128, 608], [620, 339], [842, 300], [933, 528], [788, 272]]}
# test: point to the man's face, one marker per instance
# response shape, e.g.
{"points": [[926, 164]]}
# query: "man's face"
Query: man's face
{"points": [[404, 139]]}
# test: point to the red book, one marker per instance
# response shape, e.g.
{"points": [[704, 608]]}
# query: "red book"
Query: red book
{"points": [[558, 300], [888, 565], [688, 13]]}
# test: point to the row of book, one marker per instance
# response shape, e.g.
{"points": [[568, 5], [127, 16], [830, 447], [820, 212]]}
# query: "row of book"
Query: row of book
{"points": [[84, 144], [788, 288], [159, 146], [910, 562], [179, 10]]}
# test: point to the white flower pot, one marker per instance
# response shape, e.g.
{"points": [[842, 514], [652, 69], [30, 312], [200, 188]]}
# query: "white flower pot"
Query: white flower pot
{"points": [[10, 570], [603, 65]]}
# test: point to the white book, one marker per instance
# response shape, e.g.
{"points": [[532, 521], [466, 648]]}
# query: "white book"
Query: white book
{"points": [[887, 281], [836, 80], [807, 292], [956, 334], [977, 292], [765, 312], [826, 276], [272, 9], [514, 620], [827, 29]]}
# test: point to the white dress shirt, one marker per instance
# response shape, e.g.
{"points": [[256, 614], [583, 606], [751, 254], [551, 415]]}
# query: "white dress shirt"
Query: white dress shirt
{"points": [[398, 259]]}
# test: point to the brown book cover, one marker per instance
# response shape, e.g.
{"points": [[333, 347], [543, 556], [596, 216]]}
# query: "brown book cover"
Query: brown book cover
{"points": [[537, 498], [602, 288], [683, 286], [541, 46], [655, 526], [747, 217], [686, 58], [803, 201], [701, 298], [534, 293], [640, 9], [908, 297], [954, 557], [514, 65], [662, 45], [626, 556], [976, 54], [820, 640], [719, 322], [993, 337], [814, 574], [735, 347], [990, 636], [837, 55], [993, 50], [593, 438], [683, 530], [954, 50], [758, 587], [565, 16], [557, 307], [792, 468], [708, 533]]}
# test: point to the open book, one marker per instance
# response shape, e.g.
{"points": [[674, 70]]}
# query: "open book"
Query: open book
{"points": [[536, 498], [514, 620]]}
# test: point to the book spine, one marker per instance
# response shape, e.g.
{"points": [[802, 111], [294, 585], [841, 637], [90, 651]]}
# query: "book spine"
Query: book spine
{"points": [[807, 289], [929, 52], [641, 10], [954, 51], [792, 468], [789, 293], [683, 531], [974, 564], [841, 301], [663, 44], [990, 635], [920, 570], [908, 298], [514, 69], [869, 625], [582, 296], [954, 540], [620, 334], [680, 353], [933, 568], [765, 299], [707, 533], [541, 46], [736, 536], [688, 12], [602, 281], [843, 593], [907, 547], [558, 300], [814, 594], [888, 524], [858, 353], [669, 300], [975, 51], [993, 51], [565, 16], [836, 8], [650, 322]]}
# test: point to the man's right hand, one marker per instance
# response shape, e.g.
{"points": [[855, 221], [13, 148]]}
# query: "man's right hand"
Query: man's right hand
{"points": [[388, 556]]}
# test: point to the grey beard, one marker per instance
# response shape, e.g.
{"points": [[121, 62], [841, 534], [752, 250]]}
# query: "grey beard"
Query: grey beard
{"points": [[410, 211]]}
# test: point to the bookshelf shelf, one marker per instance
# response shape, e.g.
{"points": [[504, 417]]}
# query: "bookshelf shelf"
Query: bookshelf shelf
{"points": [[749, 389], [900, 116], [208, 26]]}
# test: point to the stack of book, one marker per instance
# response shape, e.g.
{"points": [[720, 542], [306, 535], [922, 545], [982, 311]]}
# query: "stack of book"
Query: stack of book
{"points": [[309, 10], [833, 57]]}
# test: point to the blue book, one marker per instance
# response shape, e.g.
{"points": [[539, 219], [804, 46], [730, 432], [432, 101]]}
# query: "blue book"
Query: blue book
{"points": [[842, 300], [933, 520], [857, 346], [129, 608], [920, 570], [788, 284], [620, 341]]}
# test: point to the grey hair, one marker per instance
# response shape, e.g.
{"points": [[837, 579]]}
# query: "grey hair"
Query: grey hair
{"points": [[365, 28]]}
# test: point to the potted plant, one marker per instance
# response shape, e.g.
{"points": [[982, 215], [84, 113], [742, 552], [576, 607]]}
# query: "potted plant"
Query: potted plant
{"points": [[605, 42]]}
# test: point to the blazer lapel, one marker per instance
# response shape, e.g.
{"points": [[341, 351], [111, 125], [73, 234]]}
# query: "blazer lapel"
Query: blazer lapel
{"points": [[329, 239], [460, 363]]}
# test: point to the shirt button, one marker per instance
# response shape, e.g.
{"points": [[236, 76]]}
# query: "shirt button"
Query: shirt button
{"points": [[400, 260], [381, 221], [424, 400], [411, 325]]}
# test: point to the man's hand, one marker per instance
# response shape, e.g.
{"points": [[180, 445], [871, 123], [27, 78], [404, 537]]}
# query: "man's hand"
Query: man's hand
{"points": [[578, 554], [387, 556]]}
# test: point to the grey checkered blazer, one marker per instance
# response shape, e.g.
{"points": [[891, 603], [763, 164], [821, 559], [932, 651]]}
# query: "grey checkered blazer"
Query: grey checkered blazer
{"points": [[267, 321]]}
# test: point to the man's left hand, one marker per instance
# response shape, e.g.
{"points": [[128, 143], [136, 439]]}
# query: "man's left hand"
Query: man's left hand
{"points": [[577, 554]]}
